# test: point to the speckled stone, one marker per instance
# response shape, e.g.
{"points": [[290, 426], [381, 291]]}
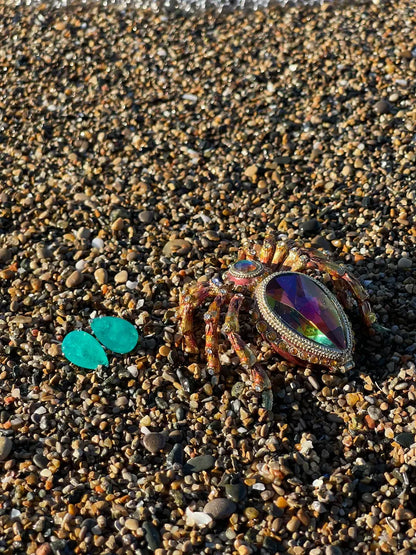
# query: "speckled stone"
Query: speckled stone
{"points": [[220, 508], [154, 441], [6, 445]]}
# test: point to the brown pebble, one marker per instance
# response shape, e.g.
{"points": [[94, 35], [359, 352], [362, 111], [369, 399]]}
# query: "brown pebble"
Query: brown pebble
{"points": [[100, 276], [117, 225], [4, 254], [164, 350], [251, 171], [121, 277], [44, 549], [386, 507], [177, 247], [74, 279], [403, 514], [131, 524], [293, 524]]}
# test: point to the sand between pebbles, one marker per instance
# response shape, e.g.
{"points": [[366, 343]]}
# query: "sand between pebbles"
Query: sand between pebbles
{"points": [[135, 149]]}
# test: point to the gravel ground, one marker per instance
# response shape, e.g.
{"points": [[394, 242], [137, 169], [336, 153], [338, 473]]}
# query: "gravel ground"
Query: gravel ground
{"points": [[135, 148]]}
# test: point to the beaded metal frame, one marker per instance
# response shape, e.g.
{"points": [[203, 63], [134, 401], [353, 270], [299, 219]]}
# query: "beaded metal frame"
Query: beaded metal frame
{"points": [[284, 338], [260, 269]]}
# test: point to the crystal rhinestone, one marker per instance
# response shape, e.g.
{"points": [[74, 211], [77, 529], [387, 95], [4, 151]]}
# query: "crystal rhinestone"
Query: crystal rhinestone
{"points": [[245, 266], [83, 350], [261, 326], [115, 333], [302, 304], [271, 335]]}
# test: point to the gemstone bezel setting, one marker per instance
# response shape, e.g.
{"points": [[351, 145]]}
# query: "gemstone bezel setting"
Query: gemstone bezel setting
{"points": [[307, 349], [259, 269]]}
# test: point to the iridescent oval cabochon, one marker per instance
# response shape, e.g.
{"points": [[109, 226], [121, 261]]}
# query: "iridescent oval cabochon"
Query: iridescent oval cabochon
{"points": [[303, 305], [245, 266]]}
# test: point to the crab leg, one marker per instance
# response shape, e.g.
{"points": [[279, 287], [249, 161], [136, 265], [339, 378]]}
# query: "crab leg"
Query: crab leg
{"points": [[247, 251], [344, 281], [190, 300], [211, 333], [247, 358], [267, 249]]}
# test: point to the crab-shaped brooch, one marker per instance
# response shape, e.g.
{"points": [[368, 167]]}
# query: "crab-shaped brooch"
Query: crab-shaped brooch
{"points": [[300, 317]]}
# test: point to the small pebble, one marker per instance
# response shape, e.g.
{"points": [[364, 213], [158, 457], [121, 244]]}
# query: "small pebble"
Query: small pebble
{"points": [[310, 227], [44, 549], [152, 535], [198, 464], [6, 446], [101, 276], [176, 247], [74, 279], [146, 216], [404, 264], [131, 524], [405, 439], [220, 508], [154, 442], [382, 107]]}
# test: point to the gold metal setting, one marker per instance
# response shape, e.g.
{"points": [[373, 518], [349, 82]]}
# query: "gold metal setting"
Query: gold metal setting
{"points": [[247, 275], [294, 340]]}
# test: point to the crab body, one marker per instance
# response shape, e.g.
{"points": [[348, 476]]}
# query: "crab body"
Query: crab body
{"points": [[302, 319]]}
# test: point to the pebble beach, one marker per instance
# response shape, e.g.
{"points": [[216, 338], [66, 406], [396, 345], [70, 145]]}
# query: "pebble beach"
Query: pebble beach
{"points": [[136, 148]]}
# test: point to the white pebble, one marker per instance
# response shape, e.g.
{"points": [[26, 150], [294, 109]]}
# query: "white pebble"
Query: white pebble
{"points": [[197, 518], [80, 265], [97, 243], [190, 97], [131, 284], [133, 370], [318, 507]]}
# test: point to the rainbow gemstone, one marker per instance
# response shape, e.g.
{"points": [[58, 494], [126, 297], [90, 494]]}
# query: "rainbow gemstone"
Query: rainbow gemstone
{"points": [[302, 304], [245, 266]]}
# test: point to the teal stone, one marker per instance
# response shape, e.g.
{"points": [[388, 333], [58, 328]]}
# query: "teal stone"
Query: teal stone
{"points": [[83, 350], [115, 333]]}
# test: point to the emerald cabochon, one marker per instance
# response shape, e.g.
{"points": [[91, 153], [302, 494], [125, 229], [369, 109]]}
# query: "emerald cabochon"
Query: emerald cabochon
{"points": [[83, 350]]}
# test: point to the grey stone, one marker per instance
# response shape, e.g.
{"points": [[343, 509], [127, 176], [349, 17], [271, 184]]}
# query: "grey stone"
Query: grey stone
{"points": [[6, 445], [220, 508], [198, 464]]}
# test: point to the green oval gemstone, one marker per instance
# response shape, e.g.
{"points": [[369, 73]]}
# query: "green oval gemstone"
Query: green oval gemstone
{"points": [[83, 350], [115, 333]]}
